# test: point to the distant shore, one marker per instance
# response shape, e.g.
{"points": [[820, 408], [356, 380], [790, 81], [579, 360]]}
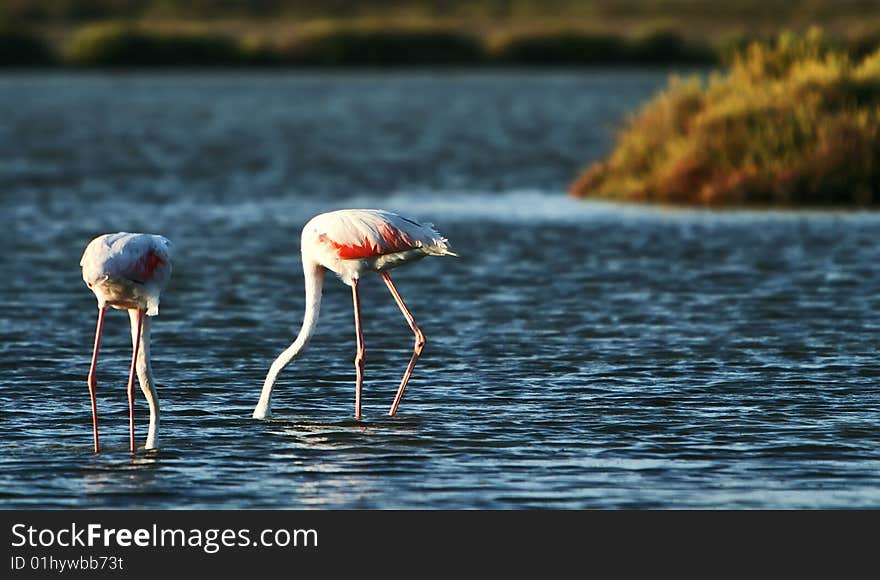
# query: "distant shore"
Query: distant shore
{"points": [[139, 43]]}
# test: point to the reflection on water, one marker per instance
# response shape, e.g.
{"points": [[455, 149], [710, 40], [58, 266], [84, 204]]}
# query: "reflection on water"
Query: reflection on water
{"points": [[580, 355]]}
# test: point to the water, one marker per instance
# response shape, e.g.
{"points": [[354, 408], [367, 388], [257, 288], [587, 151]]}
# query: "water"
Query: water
{"points": [[580, 355]]}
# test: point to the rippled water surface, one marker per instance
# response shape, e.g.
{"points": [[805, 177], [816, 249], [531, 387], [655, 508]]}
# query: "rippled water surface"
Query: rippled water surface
{"points": [[580, 355]]}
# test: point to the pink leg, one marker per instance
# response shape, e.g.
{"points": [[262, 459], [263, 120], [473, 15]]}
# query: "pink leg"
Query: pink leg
{"points": [[92, 380], [359, 358], [135, 347], [420, 342]]}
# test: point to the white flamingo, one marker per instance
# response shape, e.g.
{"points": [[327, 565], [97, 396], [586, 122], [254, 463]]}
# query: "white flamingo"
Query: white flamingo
{"points": [[350, 243], [128, 272]]}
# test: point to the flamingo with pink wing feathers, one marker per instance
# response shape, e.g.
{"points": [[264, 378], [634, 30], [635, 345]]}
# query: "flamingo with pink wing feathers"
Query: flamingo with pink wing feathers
{"points": [[128, 272], [351, 243]]}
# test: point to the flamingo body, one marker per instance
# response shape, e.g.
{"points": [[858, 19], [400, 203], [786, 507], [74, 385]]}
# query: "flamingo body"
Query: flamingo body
{"points": [[128, 272], [351, 243]]}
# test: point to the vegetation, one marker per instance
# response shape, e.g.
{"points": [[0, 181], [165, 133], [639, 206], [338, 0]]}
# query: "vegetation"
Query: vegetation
{"points": [[383, 32], [748, 14], [377, 46], [795, 121], [126, 45], [328, 44], [571, 46]]}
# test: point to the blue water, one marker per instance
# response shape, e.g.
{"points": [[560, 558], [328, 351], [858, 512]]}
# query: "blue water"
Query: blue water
{"points": [[580, 354]]}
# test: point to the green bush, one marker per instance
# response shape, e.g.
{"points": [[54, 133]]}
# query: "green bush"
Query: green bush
{"points": [[795, 121], [128, 45]]}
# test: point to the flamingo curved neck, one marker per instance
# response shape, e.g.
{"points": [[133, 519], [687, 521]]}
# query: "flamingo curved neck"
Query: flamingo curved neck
{"points": [[145, 375], [314, 283]]}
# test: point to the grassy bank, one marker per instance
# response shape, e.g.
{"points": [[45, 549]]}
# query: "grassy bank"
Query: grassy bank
{"points": [[129, 45], [376, 42], [380, 32], [792, 122], [341, 44]]}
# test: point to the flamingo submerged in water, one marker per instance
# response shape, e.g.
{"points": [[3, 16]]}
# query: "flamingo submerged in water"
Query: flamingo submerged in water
{"points": [[350, 243], [128, 272]]}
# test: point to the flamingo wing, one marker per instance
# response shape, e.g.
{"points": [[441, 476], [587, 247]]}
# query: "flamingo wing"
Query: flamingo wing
{"points": [[125, 269], [366, 233], [140, 258]]}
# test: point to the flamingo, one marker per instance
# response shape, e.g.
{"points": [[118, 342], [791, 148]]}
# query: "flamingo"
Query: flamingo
{"points": [[350, 243], [128, 272]]}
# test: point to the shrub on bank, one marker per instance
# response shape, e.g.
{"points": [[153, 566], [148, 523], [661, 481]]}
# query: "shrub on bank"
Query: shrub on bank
{"points": [[792, 122], [574, 47], [129, 45]]}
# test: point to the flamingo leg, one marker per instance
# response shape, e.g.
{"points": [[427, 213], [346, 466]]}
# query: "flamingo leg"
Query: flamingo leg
{"points": [[420, 342], [137, 326], [92, 380], [359, 358]]}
